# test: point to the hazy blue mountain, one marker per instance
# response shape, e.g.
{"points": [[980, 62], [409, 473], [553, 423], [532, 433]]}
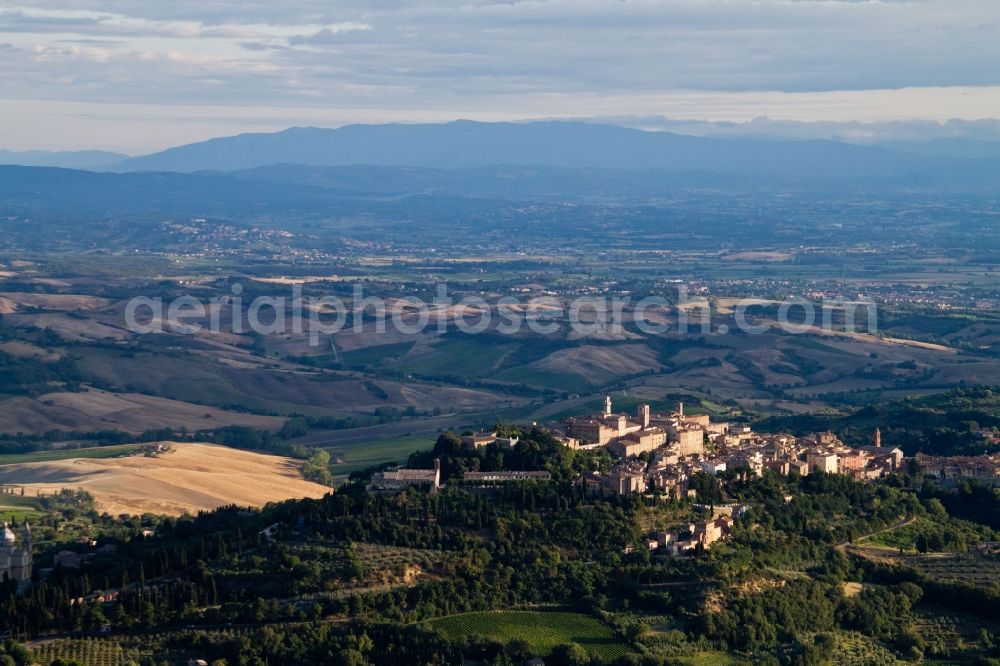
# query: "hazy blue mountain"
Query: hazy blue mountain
{"points": [[957, 147], [75, 159], [466, 144]]}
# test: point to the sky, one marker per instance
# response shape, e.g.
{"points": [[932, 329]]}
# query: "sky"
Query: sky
{"points": [[136, 76]]}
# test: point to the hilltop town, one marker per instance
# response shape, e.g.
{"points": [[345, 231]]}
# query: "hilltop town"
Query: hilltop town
{"points": [[661, 454]]}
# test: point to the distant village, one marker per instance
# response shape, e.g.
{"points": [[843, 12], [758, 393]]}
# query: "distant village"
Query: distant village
{"points": [[659, 453]]}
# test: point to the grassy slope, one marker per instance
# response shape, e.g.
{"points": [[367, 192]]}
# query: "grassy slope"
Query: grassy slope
{"points": [[542, 630], [67, 454], [14, 508], [359, 455]]}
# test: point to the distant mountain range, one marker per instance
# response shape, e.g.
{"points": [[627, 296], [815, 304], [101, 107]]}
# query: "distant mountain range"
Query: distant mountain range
{"points": [[383, 168], [601, 148], [78, 159], [563, 144]]}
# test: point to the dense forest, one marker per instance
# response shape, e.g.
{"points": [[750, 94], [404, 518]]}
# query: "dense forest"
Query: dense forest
{"points": [[948, 423]]}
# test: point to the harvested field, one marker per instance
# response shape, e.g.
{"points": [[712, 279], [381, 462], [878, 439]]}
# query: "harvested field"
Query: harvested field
{"points": [[58, 301], [130, 412], [187, 479]]}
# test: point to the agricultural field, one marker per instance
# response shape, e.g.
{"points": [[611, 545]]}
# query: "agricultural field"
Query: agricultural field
{"points": [[96, 410], [541, 630], [376, 355], [186, 479], [90, 652], [464, 358], [15, 508], [532, 376], [355, 456], [92, 453]]}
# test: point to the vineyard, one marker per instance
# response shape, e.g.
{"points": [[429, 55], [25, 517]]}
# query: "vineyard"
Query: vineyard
{"points": [[541, 630], [127, 650], [90, 652]]}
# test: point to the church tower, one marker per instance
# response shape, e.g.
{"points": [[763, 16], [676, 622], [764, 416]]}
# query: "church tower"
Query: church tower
{"points": [[644, 416], [878, 437], [607, 405], [15, 561]]}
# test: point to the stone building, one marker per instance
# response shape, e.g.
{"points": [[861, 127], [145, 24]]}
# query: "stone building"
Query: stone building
{"points": [[823, 461], [400, 479]]}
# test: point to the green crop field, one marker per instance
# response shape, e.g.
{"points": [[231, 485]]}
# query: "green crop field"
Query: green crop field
{"points": [[562, 381], [360, 455], [15, 508], [69, 454], [375, 355], [466, 358], [541, 630]]}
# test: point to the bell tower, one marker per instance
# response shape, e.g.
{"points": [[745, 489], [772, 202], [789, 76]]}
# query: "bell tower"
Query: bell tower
{"points": [[644, 416]]}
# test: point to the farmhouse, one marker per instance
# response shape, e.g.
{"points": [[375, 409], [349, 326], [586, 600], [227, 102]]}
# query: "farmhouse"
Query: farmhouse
{"points": [[400, 479]]}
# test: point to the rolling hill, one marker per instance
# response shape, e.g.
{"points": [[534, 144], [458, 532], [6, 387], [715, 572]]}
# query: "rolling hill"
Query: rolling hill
{"points": [[186, 479]]}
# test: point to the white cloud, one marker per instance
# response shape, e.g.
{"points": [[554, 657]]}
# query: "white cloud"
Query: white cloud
{"points": [[454, 57]]}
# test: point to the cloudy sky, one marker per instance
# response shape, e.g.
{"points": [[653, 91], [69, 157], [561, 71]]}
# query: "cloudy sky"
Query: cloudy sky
{"points": [[140, 75]]}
